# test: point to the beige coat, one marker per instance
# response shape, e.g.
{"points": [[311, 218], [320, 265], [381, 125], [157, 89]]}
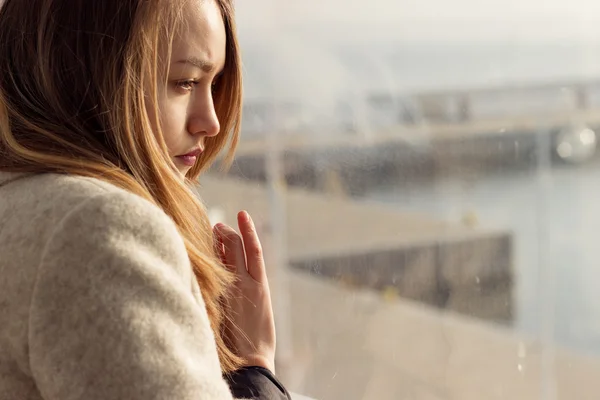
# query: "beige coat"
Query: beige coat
{"points": [[97, 297]]}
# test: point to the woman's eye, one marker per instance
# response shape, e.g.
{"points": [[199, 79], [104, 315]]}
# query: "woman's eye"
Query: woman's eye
{"points": [[186, 85]]}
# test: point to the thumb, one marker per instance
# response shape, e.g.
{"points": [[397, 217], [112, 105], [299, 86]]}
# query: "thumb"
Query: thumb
{"points": [[234, 256], [219, 248]]}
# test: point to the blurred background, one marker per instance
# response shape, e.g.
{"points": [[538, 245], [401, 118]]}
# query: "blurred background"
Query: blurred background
{"points": [[425, 177]]}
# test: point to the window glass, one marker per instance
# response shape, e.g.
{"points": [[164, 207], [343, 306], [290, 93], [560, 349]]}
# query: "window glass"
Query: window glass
{"points": [[425, 178]]}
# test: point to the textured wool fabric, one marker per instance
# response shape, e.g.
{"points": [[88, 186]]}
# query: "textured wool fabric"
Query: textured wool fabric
{"points": [[97, 297]]}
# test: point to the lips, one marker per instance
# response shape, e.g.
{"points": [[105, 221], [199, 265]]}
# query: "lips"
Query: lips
{"points": [[189, 159]]}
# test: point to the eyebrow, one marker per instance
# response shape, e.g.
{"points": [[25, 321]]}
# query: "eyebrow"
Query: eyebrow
{"points": [[204, 65]]}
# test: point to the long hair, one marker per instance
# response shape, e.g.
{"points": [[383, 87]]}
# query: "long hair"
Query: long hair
{"points": [[77, 79]]}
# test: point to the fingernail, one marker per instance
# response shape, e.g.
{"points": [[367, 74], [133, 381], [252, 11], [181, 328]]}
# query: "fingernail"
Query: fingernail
{"points": [[246, 216]]}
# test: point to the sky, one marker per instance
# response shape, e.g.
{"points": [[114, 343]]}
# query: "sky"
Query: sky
{"points": [[429, 20], [288, 44]]}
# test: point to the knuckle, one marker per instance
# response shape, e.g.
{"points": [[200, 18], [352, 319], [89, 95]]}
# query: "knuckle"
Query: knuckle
{"points": [[256, 249]]}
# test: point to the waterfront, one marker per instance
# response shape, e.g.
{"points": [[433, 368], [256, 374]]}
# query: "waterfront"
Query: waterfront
{"points": [[349, 90], [349, 342], [554, 217]]}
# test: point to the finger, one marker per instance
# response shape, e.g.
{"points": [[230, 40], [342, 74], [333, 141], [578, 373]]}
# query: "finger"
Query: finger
{"points": [[254, 254], [233, 249], [219, 248]]}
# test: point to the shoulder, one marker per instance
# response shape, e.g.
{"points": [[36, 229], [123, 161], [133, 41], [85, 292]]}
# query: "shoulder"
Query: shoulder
{"points": [[116, 220], [61, 196], [59, 191], [99, 216], [75, 213], [50, 196], [116, 240], [113, 298]]}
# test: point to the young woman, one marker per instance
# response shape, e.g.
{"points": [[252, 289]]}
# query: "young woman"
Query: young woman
{"points": [[113, 284]]}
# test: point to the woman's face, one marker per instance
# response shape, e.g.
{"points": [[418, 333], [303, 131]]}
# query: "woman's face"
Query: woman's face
{"points": [[186, 108]]}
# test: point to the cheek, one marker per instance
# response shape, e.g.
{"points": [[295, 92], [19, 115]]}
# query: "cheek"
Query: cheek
{"points": [[173, 115]]}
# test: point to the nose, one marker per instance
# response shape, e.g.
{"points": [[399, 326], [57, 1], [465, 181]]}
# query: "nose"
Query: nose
{"points": [[202, 118]]}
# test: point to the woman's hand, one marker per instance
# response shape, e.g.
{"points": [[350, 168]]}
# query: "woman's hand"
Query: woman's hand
{"points": [[251, 326]]}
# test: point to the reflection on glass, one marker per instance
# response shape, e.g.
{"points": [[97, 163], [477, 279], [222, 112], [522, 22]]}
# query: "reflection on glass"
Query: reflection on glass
{"points": [[437, 177]]}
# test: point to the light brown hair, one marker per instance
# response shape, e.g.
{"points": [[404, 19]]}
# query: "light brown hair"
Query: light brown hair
{"points": [[76, 78]]}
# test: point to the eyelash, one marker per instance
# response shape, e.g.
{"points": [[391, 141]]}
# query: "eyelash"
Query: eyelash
{"points": [[188, 85]]}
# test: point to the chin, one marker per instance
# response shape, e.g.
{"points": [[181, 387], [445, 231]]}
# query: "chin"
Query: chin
{"points": [[183, 173]]}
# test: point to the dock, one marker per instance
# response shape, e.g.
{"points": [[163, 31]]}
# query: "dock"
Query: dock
{"points": [[423, 134]]}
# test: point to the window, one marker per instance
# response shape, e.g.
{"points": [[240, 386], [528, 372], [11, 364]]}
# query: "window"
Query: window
{"points": [[426, 180]]}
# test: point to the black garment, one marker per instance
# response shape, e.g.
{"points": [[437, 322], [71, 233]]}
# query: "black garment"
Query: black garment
{"points": [[256, 383]]}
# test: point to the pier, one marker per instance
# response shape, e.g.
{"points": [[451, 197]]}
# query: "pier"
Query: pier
{"points": [[439, 139]]}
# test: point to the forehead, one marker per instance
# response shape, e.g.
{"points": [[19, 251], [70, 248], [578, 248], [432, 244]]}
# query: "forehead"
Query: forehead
{"points": [[202, 32]]}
